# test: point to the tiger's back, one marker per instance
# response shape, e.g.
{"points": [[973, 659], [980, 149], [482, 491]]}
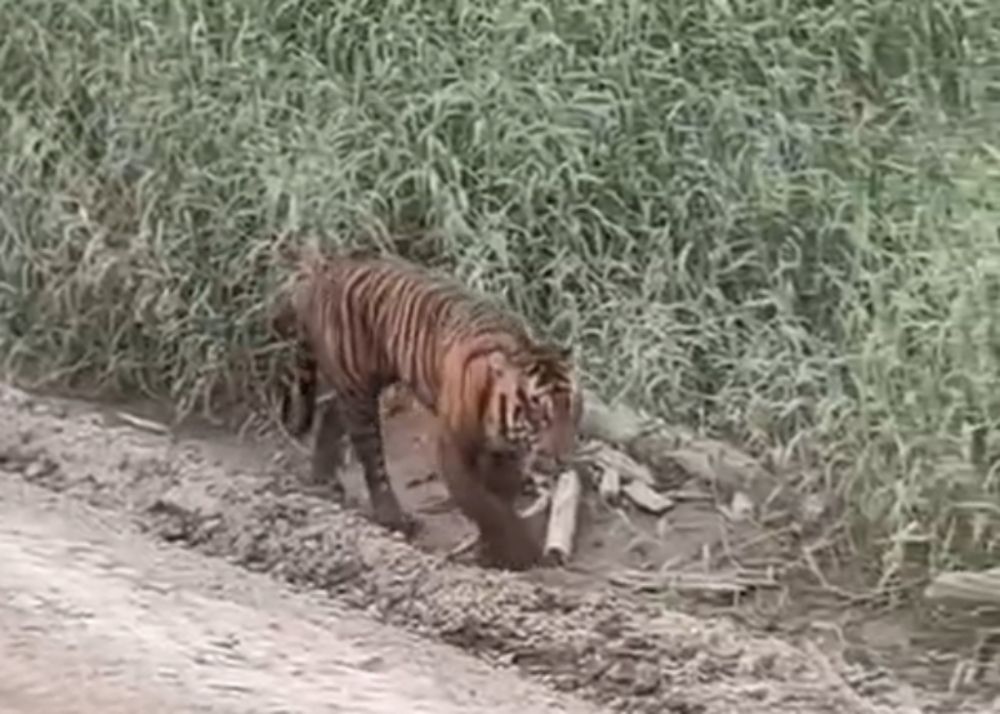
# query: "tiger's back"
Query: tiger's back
{"points": [[373, 321]]}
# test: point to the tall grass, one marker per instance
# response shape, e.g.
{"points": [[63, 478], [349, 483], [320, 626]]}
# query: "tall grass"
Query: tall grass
{"points": [[775, 219]]}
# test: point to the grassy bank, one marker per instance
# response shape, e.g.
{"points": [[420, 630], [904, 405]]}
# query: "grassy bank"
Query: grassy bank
{"points": [[782, 215]]}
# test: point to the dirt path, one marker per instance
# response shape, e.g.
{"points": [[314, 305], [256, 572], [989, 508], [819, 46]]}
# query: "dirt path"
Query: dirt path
{"points": [[92, 607], [96, 619]]}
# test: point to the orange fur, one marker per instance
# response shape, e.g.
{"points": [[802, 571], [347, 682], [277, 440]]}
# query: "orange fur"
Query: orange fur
{"points": [[500, 396]]}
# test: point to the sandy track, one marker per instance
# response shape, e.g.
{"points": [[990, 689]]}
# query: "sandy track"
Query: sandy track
{"points": [[95, 619]]}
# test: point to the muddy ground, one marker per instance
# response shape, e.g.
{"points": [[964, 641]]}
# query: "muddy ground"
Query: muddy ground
{"points": [[242, 500]]}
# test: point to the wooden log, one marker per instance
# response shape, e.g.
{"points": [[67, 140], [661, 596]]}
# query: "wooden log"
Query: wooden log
{"points": [[618, 473], [966, 588], [610, 459], [740, 509], [671, 455], [643, 496], [562, 518], [693, 583], [149, 425], [609, 486]]}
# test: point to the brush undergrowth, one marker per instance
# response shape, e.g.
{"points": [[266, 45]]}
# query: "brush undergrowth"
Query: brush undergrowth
{"points": [[776, 219]]}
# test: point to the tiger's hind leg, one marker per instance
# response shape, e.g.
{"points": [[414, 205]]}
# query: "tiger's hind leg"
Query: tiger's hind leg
{"points": [[299, 392], [361, 414], [328, 448]]}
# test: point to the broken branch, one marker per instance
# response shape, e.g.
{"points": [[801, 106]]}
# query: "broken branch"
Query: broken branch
{"points": [[643, 496], [562, 517]]}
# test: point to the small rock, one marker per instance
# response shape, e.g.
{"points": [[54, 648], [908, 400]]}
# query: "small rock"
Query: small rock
{"points": [[40, 469], [640, 678], [610, 486], [647, 679], [813, 507], [741, 507], [190, 499], [621, 672]]}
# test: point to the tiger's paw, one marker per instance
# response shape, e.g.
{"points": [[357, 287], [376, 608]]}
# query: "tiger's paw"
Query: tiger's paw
{"points": [[331, 489], [514, 553], [390, 515]]}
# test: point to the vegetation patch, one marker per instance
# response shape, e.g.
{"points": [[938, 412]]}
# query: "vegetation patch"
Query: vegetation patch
{"points": [[776, 222]]}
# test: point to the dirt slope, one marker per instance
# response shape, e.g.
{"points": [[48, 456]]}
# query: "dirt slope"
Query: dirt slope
{"points": [[163, 629]]}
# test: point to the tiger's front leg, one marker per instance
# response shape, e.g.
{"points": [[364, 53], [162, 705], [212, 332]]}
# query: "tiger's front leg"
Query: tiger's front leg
{"points": [[484, 488], [365, 428]]}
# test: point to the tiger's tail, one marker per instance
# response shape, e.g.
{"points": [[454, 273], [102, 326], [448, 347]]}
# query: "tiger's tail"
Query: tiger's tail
{"points": [[300, 381]]}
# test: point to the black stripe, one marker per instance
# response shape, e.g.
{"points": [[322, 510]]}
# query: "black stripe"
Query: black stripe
{"points": [[504, 426]]}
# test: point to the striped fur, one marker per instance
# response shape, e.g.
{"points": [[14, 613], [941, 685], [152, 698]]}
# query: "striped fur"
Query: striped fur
{"points": [[365, 322]]}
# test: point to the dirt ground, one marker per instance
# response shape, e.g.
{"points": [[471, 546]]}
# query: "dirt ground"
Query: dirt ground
{"points": [[95, 618], [109, 584]]}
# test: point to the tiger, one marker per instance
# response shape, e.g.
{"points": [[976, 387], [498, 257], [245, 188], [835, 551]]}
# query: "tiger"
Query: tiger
{"points": [[362, 322]]}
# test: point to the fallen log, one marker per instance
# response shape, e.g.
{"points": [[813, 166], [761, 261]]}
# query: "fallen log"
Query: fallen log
{"points": [[966, 588], [669, 455], [609, 486], [608, 458], [643, 496], [562, 518], [693, 583]]}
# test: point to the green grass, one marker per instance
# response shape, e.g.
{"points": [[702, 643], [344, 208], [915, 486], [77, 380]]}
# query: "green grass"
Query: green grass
{"points": [[774, 219]]}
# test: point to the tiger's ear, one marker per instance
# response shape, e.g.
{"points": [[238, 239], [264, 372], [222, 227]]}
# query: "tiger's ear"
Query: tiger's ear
{"points": [[556, 351], [563, 353]]}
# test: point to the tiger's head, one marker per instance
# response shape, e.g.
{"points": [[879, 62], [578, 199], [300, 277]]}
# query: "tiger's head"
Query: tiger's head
{"points": [[534, 405]]}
